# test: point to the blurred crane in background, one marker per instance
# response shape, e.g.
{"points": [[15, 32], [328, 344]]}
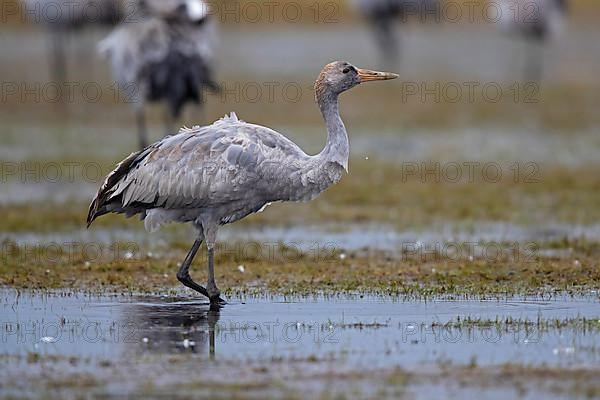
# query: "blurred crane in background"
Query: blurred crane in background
{"points": [[536, 21], [63, 17], [382, 14], [165, 55]]}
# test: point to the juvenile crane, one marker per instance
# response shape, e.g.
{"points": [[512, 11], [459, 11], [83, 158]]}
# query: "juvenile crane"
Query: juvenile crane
{"points": [[164, 55], [219, 174]]}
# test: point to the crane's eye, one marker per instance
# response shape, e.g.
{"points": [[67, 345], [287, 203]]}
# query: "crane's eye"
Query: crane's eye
{"points": [[346, 70]]}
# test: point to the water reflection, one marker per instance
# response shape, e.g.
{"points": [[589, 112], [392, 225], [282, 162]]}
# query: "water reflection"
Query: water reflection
{"points": [[171, 327]]}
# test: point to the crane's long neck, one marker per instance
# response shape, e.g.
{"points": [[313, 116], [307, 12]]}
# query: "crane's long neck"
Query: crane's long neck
{"points": [[326, 168], [337, 148]]}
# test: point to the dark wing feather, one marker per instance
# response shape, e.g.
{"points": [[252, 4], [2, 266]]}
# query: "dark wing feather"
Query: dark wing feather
{"points": [[97, 206]]}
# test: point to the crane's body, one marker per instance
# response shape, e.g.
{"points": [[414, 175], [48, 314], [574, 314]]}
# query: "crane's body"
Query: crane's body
{"points": [[216, 174], [219, 174], [166, 55]]}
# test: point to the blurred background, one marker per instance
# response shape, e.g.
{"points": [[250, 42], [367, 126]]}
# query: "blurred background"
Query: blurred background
{"points": [[466, 94]]}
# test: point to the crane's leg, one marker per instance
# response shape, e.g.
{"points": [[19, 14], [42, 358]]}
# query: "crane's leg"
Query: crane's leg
{"points": [[535, 61], [183, 274], [141, 126], [199, 113], [169, 122], [214, 294], [58, 61], [386, 38]]}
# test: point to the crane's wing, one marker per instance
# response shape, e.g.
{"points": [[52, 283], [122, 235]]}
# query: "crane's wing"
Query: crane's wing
{"points": [[226, 162]]}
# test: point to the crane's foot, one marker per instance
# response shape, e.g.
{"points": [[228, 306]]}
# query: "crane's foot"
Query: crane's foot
{"points": [[214, 295], [217, 301]]}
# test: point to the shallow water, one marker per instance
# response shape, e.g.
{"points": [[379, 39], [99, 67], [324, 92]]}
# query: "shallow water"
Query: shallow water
{"points": [[333, 237], [350, 330]]}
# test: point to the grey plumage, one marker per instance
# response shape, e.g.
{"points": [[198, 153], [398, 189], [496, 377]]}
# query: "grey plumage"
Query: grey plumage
{"points": [[165, 55], [218, 174]]}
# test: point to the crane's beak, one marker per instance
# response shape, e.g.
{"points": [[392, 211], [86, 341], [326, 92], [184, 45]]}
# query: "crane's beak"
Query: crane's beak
{"points": [[366, 75]]}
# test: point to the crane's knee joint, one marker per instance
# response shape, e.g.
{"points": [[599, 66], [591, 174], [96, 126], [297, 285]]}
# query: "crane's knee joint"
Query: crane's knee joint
{"points": [[183, 276]]}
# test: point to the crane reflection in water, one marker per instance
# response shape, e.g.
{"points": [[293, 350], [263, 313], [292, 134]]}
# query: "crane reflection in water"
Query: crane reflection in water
{"points": [[175, 327]]}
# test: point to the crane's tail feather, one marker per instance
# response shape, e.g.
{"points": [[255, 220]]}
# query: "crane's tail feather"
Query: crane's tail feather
{"points": [[99, 205]]}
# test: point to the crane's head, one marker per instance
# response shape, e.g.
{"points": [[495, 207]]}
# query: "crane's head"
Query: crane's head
{"points": [[339, 76]]}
